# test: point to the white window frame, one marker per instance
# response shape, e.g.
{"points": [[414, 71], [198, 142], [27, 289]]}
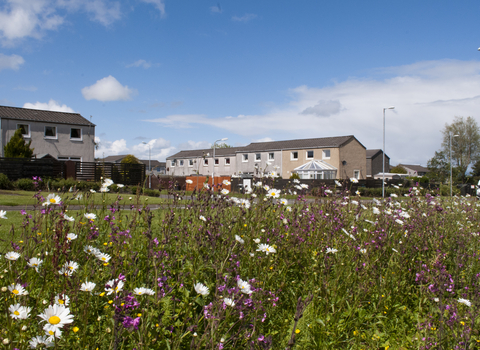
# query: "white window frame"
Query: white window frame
{"points": [[258, 157], [190, 162], [216, 162], [28, 126], [357, 173], [292, 155], [271, 156], [306, 154], [50, 137], [173, 163], [245, 157], [76, 138], [180, 162], [324, 152], [227, 159]]}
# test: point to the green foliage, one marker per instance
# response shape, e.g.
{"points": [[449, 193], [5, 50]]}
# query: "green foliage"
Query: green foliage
{"points": [[130, 159], [294, 176], [439, 167], [17, 147], [5, 183], [24, 184], [398, 170]]}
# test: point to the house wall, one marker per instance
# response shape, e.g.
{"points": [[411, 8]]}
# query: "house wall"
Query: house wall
{"points": [[377, 165], [252, 166], [355, 156], [221, 169], [290, 164], [62, 146]]}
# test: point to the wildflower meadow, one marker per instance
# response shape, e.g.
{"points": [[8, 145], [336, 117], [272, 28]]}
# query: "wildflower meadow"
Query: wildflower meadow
{"points": [[214, 271]]}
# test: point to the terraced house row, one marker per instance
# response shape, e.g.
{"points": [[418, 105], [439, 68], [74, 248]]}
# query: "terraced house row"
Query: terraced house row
{"points": [[318, 158]]}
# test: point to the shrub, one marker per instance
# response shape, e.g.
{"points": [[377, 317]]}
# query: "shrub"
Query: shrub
{"points": [[25, 184], [5, 183]]}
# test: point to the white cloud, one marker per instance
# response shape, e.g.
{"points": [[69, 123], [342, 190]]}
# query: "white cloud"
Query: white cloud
{"points": [[104, 12], [194, 145], [426, 95], [51, 105], [159, 4], [107, 89], [324, 108], [11, 62], [245, 18], [160, 149], [140, 63], [110, 148]]}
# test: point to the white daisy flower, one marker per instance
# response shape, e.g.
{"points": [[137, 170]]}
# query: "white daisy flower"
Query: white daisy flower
{"points": [[90, 216], [201, 217], [244, 203], [257, 240], [206, 186], [226, 182], [53, 333], [19, 312], [71, 236], [267, 249], [35, 263], [68, 218], [189, 181], [142, 291], [338, 183], [104, 189], [3, 214], [120, 185], [398, 221], [283, 201], [229, 302], [376, 211], [56, 316], [40, 340], [354, 180], [17, 289], [304, 186], [266, 188], [239, 239], [115, 285], [103, 257], [92, 190], [363, 251], [465, 302], [201, 289], [65, 271], [71, 265], [331, 250], [87, 286], [91, 250], [62, 299], [273, 193], [289, 208], [225, 191], [12, 256], [244, 286], [107, 182], [52, 199]]}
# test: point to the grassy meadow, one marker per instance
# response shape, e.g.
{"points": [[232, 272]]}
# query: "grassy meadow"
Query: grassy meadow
{"points": [[252, 272]]}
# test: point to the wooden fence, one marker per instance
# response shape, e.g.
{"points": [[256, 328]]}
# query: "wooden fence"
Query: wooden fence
{"points": [[20, 168], [120, 173]]}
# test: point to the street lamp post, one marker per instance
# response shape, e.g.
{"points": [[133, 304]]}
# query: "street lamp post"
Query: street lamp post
{"points": [[451, 171], [213, 171], [149, 166], [383, 152]]}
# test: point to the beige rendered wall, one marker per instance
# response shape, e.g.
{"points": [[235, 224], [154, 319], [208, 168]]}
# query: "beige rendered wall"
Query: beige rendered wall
{"points": [[288, 165], [355, 156]]}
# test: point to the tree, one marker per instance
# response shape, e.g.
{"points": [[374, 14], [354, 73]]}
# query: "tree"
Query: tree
{"points": [[439, 167], [398, 170], [130, 159], [465, 147], [17, 147]]}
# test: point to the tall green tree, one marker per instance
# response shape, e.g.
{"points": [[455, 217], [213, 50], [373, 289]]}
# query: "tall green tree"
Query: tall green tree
{"points": [[439, 168], [17, 147], [465, 147], [398, 170], [130, 159]]}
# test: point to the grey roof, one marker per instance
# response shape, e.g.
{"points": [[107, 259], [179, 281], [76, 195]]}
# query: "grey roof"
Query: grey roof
{"points": [[198, 153], [37, 115], [371, 153], [323, 142], [113, 159], [417, 168], [153, 162]]}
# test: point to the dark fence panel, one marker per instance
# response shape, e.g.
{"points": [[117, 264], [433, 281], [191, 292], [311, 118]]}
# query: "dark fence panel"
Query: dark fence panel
{"points": [[126, 174], [19, 168]]}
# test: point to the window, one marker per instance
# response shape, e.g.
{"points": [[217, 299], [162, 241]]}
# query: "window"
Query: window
{"points": [[217, 161], [50, 132], [245, 157], [173, 162], [258, 157], [309, 154], [190, 162], [76, 159], [356, 174], [181, 162], [326, 154], [271, 156], [25, 129], [294, 155], [75, 134], [205, 161], [227, 161]]}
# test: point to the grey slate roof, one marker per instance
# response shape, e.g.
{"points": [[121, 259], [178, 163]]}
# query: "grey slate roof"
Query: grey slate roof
{"points": [[374, 152], [198, 153], [37, 115], [417, 168], [323, 142]]}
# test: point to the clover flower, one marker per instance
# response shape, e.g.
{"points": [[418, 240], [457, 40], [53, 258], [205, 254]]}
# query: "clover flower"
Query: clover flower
{"points": [[201, 289], [12, 256]]}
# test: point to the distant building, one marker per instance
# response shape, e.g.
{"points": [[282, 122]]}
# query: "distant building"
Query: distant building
{"points": [[375, 163], [415, 170], [62, 135], [157, 168]]}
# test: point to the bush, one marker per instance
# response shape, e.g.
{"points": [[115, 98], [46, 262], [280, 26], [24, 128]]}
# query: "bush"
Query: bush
{"points": [[25, 184], [5, 183], [151, 193]]}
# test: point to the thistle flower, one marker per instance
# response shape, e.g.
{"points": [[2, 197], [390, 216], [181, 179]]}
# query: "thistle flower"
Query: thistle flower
{"points": [[201, 289], [12, 256]]}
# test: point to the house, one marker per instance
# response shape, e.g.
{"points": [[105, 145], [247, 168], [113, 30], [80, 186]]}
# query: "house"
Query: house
{"points": [[414, 170], [375, 163], [317, 158], [157, 168], [62, 135]]}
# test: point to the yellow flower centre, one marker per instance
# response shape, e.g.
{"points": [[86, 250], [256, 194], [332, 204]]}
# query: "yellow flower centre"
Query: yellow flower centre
{"points": [[139, 293], [15, 291], [51, 332], [104, 258], [54, 320], [34, 264], [16, 313], [52, 200], [70, 267], [60, 301]]}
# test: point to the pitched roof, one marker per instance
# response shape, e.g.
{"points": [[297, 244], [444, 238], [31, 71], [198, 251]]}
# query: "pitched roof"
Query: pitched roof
{"points": [[113, 159], [417, 168], [37, 115], [153, 162], [322, 142], [315, 165], [198, 153], [373, 152]]}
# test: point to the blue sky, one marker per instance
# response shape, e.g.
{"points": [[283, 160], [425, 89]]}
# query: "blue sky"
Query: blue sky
{"points": [[181, 74]]}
